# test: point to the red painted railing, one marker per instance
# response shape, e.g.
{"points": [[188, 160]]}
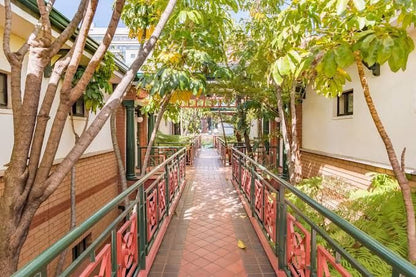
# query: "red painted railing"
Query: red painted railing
{"points": [[128, 244], [292, 234]]}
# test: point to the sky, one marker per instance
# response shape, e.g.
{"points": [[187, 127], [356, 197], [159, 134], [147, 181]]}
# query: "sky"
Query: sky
{"points": [[101, 18], [104, 10]]}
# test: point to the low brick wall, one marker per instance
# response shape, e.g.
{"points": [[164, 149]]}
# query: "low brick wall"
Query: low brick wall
{"points": [[96, 184], [351, 172]]}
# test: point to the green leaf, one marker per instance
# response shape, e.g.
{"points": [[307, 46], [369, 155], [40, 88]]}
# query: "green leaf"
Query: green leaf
{"points": [[385, 51], [276, 75], [344, 56], [284, 65], [329, 64], [359, 4], [341, 6]]}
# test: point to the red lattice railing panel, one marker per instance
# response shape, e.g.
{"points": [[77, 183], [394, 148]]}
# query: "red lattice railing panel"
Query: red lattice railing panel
{"points": [[151, 209], [102, 263], [171, 184], [298, 247], [162, 198], [127, 252], [258, 199], [269, 221], [323, 259]]}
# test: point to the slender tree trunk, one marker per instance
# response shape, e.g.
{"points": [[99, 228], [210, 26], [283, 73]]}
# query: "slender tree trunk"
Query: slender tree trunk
{"points": [[398, 170], [283, 125], [223, 129], [117, 153], [73, 221], [73, 194], [163, 106], [294, 162], [244, 126]]}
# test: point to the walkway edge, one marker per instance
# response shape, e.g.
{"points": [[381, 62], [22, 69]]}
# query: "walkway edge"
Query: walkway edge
{"points": [[159, 238], [266, 246]]}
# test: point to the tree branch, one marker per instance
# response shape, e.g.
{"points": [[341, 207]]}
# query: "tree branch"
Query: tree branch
{"points": [[42, 121], [403, 160], [77, 91], [7, 30], [79, 47], [53, 181], [70, 28]]}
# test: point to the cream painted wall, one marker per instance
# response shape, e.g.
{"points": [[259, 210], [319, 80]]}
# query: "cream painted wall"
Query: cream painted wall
{"points": [[355, 136], [101, 143], [254, 129], [165, 127]]}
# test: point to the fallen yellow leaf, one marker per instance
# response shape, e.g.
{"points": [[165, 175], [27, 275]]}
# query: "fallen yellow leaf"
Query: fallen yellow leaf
{"points": [[241, 244]]}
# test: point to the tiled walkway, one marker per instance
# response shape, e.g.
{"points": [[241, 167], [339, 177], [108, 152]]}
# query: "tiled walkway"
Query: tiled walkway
{"points": [[202, 237]]}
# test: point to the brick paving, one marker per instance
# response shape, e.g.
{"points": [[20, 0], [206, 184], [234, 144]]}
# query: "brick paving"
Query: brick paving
{"points": [[209, 220]]}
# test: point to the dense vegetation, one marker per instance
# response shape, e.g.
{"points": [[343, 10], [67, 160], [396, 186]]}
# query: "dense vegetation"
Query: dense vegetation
{"points": [[378, 212]]}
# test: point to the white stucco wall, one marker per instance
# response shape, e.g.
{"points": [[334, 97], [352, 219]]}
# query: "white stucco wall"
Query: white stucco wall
{"points": [[165, 127], [254, 129], [355, 136], [101, 143]]}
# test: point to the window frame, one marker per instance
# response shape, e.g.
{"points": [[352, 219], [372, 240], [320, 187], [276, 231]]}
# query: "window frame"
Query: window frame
{"points": [[81, 246], [345, 96], [74, 107], [6, 86]]}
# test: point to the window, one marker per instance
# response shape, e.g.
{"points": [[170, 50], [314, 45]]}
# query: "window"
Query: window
{"points": [[78, 107], [345, 103], [80, 247], [3, 90], [132, 56]]}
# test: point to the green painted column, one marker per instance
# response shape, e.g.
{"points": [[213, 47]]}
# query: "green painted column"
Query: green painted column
{"points": [[266, 131], [130, 141]]}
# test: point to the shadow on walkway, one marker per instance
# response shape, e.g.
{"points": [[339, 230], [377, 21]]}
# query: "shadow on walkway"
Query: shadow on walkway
{"points": [[209, 220]]}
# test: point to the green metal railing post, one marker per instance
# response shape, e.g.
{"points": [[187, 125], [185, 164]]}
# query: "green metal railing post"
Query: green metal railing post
{"points": [[142, 228], [281, 224], [167, 193], [285, 173], [178, 173], [252, 196], [240, 164], [114, 265]]}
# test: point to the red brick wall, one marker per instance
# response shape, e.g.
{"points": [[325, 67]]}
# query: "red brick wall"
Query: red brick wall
{"points": [[96, 184], [351, 172]]}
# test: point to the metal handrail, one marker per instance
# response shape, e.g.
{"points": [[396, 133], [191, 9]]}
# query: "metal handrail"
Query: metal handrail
{"points": [[399, 264], [49, 254]]}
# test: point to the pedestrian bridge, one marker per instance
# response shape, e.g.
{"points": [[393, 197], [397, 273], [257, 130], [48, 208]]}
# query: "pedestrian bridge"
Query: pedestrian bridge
{"points": [[214, 220]]}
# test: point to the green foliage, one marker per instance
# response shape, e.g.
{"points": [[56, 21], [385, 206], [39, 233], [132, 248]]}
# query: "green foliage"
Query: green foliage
{"points": [[99, 83], [368, 211], [167, 140], [141, 16]]}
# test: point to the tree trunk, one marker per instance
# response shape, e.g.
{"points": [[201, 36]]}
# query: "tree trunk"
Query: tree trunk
{"points": [[295, 164], [223, 130], [117, 153], [20, 200], [163, 106], [244, 126], [73, 194], [283, 125], [72, 224], [398, 170]]}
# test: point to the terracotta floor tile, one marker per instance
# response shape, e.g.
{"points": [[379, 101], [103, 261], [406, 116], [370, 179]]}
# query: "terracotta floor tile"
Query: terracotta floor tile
{"points": [[202, 239]]}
